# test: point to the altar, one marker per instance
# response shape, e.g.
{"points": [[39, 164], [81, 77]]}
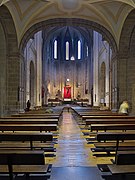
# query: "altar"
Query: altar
{"points": [[67, 94]]}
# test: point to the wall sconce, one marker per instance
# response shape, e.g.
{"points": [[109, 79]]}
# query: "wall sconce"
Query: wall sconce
{"points": [[20, 89], [72, 58], [115, 88], [79, 85]]}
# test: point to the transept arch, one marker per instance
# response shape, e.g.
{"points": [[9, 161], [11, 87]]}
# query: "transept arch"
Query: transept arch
{"points": [[75, 22], [52, 24]]}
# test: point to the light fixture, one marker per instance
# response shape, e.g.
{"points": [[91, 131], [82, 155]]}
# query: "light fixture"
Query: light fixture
{"points": [[72, 58]]}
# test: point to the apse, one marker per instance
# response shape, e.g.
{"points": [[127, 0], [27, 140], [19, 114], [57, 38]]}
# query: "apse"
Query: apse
{"points": [[67, 63]]}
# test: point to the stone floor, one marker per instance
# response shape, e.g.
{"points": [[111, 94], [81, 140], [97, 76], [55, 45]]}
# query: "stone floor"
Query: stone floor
{"points": [[74, 158], [75, 173]]}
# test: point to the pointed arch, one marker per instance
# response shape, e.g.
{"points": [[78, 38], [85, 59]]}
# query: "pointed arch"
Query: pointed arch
{"points": [[76, 22], [126, 57], [9, 63]]}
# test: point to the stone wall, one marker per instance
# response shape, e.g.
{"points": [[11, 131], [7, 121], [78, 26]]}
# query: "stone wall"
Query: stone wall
{"points": [[126, 62], [11, 64]]}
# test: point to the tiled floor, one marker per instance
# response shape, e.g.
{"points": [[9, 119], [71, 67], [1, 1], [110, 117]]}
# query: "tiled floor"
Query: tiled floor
{"points": [[74, 158]]}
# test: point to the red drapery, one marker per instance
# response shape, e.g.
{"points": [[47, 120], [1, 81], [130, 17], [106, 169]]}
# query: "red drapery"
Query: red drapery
{"points": [[67, 92]]}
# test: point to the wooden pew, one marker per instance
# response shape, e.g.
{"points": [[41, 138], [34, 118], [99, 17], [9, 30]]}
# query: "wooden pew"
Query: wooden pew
{"points": [[22, 137], [47, 147], [108, 124], [123, 172], [21, 157], [30, 172], [108, 117], [46, 111], [105, 127], [119, 172], [28, 127], [38, 113], [125, 158], [31, 117], [115, 136], [109, 121], [84, 109], [89, 111], [34, 116], [33, 159], [53, 102], [27, 121], [106, 113], [105, 145], [85, 116]]}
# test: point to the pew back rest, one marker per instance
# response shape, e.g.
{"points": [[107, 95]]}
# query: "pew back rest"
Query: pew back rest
{"points": [[125, 158], [22, 157]]}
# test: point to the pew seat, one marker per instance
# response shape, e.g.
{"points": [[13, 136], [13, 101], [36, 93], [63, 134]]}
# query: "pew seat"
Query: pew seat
{"points": [[119, 172], [106, 127], [123, 167], [27, 162]]}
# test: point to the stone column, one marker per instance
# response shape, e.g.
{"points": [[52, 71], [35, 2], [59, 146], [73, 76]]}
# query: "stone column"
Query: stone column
{"points": [[95, 70]]}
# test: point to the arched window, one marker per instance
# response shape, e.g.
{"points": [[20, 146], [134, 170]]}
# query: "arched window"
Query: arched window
{"points": [[55, 49], [79, 49], [87, 51], [67, 50]]}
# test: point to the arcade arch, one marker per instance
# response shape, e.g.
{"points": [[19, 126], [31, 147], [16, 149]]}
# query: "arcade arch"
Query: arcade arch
{"points": [[126, 62], [50, 26], [9, 60]]}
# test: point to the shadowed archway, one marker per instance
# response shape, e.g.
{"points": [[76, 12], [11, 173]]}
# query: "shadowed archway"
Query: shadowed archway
{"points": [[9, 71], [126, 62]]}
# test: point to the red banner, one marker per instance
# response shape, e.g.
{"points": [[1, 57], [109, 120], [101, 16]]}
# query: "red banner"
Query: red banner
{"points": [[67, 92]]}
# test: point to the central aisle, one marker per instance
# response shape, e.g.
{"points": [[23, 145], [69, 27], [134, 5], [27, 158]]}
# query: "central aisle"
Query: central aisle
{"points": [[72, 148], [73, 158]]}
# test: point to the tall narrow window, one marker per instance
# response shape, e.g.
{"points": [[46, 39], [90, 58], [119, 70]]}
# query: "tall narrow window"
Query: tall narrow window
{"points": [[67, 50], [87, 51], [55, 49], [79, 49]]}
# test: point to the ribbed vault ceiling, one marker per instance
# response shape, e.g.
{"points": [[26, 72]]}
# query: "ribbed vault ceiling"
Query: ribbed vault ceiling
{"points": [[109, 13]]}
